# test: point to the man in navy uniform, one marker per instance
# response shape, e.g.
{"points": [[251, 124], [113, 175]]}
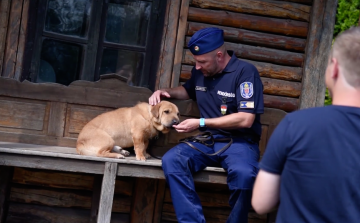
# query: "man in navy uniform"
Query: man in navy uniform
{"points": [[312, 161], [229, 94]]}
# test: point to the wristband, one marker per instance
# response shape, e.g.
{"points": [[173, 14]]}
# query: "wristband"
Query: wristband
{"points": [[202, 122]]}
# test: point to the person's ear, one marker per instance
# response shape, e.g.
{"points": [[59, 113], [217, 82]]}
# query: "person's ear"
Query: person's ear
{"points": [[335, 70]]}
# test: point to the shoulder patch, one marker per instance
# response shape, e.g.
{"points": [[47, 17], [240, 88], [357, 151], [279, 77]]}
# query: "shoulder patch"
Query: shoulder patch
{"points": [[246, 90], [247, 104]]}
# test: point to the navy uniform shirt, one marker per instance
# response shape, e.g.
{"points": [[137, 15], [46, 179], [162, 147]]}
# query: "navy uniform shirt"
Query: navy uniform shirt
{"points": [[238, 88], [317, 153]]}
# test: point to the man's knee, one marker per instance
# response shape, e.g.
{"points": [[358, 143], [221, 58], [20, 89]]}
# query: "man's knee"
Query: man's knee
{"points": [[173, 161], [242, 176]]}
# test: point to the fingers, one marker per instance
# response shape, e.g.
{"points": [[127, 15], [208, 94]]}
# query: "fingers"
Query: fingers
{"points": [[164, 93], [156, 97]]}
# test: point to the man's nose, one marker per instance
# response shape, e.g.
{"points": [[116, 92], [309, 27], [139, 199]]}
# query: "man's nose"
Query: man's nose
{"points": [[197, 66]]}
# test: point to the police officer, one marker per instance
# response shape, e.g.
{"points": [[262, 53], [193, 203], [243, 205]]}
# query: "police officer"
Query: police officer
{"points": [[229, 94]]}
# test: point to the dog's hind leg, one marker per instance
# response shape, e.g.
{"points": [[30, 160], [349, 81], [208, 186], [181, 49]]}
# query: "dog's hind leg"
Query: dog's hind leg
{"points": [[118, 149]]}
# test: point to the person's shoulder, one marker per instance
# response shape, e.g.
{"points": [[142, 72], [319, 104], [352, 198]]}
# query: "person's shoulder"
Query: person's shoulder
{"points": [[246, 65], [310, 115]]}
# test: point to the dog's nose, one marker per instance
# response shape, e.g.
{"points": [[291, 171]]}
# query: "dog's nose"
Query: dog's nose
{"points": [[175, 122]]}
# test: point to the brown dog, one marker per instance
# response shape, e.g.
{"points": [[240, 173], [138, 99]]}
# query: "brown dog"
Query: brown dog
{"points": [[109, 132]]}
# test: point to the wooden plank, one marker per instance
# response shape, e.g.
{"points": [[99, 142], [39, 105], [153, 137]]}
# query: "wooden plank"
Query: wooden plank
{"points": [[22, 115], [143, 204], [169, 37], [306, 2], [180, 42], [12, 38], [159, 201], [37, 213], [251, 22], [107, 192], [262, 54], [57, 119], [4, 18], [283, 103], [22, 39], [260, 7], [265, 70], [317, 52], [95, 199], [6, 175], [281, 88], [253, 38]]}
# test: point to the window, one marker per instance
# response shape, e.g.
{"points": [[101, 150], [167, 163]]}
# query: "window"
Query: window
{"points": [[72, 40]]}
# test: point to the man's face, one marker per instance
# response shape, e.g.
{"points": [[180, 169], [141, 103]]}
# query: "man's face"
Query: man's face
{"points": [[207, 64]]}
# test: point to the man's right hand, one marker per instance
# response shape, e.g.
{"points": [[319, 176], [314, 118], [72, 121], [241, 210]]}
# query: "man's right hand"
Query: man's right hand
{"points": [[156, 96]]}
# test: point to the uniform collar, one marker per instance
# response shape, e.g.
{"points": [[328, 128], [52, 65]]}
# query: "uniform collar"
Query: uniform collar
{"points": [[231, 66]]}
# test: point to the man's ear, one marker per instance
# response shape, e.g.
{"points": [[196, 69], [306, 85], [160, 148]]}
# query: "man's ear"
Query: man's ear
{"points": [[335, 71], [155, 110]]}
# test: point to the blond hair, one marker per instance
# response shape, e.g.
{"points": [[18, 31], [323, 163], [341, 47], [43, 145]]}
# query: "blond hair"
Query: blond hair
{"points": [[346, 50]]}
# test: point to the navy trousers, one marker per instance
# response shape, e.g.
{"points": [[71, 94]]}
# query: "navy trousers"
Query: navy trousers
{"points": [[240, 161]]}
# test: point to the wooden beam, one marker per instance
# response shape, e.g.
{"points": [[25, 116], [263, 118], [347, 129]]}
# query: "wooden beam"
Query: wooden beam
{"points": [[253, 38], [12, 38], [143, 204], [259, 7], [57, 119], [306, 2], [251, 22], [160, 194], [167, 50], [6, 175], [4, 18], [283, 103], [95, 200], [180, 42], [107, 192], [317, 51]]}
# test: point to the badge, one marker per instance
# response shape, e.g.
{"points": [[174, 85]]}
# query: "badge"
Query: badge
{"points": [[196, 48], [246, 90], [246, 104], [223, 107], [199, 88]]}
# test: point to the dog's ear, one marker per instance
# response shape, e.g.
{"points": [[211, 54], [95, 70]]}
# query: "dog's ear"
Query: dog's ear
{"points": [[155, 110]]}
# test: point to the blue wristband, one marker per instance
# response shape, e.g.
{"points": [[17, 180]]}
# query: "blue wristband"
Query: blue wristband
{"points": [[202, 122]]}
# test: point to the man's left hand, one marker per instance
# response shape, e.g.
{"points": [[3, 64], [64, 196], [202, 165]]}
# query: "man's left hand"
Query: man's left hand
{"points": [[187, 125]]}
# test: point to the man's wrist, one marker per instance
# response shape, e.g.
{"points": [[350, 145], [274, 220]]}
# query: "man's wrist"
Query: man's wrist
{"points": [[202, 123]]}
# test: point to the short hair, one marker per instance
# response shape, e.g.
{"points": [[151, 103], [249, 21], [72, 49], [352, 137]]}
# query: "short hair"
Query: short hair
{"points": [[346, 50]]}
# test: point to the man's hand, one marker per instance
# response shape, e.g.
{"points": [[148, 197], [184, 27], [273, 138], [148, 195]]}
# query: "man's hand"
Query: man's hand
{"points": [[156, 96], [187, 125]]}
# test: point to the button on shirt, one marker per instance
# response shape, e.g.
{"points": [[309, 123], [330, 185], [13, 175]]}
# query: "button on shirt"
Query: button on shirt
{"points": [[238, 86]]}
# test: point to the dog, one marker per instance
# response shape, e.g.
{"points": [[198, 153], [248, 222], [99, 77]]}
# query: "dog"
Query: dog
{"points": [[107, 134]]}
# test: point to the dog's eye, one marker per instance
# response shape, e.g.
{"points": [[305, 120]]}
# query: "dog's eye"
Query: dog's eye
{"points": [[178, 114], [167, 111]]}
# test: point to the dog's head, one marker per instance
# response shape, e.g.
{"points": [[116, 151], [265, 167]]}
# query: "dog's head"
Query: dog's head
{"points": [[165, 115]]}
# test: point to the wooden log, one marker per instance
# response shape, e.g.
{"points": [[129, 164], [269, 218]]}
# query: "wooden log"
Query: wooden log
{"points": [[12, 38], [283, 103], [107, 192], [180, 43], [263, 54], [306, 2], [63, 198], [144, 200], [6, 174], [167, 51], [22, 39], [251, 22], [253, 38], [265, 70], [317, 52], [4, 18], [280, 87], [260, 7], [37, 213]]}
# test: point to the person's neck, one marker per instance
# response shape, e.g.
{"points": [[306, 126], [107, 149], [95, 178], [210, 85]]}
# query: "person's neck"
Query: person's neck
{"points": [[347, 97], [227, 59]]}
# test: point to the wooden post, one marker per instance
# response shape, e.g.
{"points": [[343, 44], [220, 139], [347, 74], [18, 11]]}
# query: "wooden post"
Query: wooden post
{"points": [[4, 17], [6, 174], [317, 51], [161, 188], [95, 200], [107, 193]]}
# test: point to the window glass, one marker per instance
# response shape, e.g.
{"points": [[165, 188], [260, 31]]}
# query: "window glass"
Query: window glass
{"points": [[69, 17], [59, 62], [127, 64], [127, 22]]}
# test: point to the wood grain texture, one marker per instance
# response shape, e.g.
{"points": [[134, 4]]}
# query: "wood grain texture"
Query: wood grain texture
{"points": [[259, 7], [57, 119], [306, 2], [253, 38], [6, 175], [180, 43], [4, 18], [251, 22], [283, 103], [12, 38], [95, 198], [36, 213], [159, 201], [167, 52], [317, 52], [107, 192], [22, 39], [143, 204]]}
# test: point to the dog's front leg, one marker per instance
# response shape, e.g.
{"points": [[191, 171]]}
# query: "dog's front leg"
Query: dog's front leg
{"points": [[140, 148]]}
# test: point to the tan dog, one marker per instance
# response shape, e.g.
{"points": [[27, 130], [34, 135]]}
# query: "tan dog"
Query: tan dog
{"points": [[109, 132]]}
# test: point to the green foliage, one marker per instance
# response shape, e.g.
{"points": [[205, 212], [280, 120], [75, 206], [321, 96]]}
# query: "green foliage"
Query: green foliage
{"points": [[327, 98], [347, 15]]}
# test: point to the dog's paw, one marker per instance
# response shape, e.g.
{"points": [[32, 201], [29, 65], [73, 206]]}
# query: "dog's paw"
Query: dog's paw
{"points": [[147, 155], [119, 156], [124, 152], [141, 158]]}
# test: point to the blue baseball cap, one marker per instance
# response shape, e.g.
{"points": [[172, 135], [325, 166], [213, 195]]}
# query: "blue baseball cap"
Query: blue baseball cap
{"points": [[206, 40]]}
